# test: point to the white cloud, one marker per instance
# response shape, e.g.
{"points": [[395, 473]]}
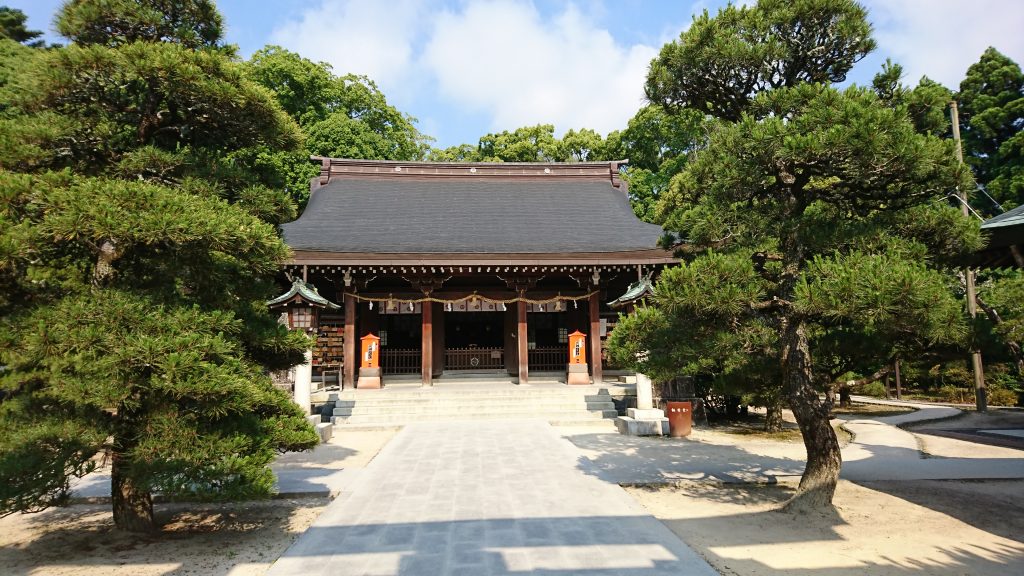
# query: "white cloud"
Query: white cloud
{"points": [[942, 38], [503, 58], [357, 36]]}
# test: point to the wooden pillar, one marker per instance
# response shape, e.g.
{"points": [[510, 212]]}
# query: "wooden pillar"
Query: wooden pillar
{"points": [[595, 337], [427, 344], [349, 360], [439, 342], [521, 338]]}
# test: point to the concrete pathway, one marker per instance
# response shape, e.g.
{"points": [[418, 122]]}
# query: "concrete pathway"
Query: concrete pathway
{"points": [[881, 450], [485, 498]]}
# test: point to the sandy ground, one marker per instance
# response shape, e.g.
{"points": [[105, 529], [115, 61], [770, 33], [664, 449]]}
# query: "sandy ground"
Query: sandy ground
{"points": [[880, 528], [962, 528], [235, 539]]}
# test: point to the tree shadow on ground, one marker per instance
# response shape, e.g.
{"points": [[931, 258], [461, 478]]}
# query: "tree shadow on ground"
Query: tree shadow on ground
{"points": [[769, 543], [193, 539], [990, 505], [632, 459]]}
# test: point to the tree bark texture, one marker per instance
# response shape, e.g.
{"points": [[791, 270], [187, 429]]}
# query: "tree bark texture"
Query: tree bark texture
{"points": [[132, 505], [818, 483], [773, 418]]}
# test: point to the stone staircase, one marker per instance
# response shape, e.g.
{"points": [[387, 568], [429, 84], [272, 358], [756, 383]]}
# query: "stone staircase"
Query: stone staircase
{"points": [[559, 404]]}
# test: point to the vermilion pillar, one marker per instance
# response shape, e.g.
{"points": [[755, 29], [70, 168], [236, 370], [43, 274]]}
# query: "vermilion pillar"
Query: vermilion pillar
{"points": [[595, 337], [521, 339], [350, 342], [427, 344]]}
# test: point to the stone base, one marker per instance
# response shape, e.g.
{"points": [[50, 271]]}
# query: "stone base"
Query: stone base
{"points": [[323, 429], [648, 414], [646, 426], [578, 374], [369, 378]]}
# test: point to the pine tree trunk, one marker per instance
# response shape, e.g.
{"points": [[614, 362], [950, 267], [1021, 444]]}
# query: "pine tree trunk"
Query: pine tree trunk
{"points": [[818, 483], [773, 418], [845, 400], [133, 506]]}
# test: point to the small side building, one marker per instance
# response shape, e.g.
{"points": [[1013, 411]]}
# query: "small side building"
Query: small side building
{"points": [[468, 267]]}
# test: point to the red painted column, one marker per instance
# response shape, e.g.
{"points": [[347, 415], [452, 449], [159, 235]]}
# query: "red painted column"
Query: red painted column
{"points": [[427, 344], [349, 359], [521, 337], [595, 337]]}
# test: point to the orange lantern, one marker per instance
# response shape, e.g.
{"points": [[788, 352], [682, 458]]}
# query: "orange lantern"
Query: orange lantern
{"points": [[577, 369], [577, 348], [371, 352], [369, 363]]}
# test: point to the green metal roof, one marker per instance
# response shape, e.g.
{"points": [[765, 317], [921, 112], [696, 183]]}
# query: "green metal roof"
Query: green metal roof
{"points": [[307, 292], [637, 290]]}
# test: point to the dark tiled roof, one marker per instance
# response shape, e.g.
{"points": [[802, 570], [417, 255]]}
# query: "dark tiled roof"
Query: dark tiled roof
{"points": [[469, 215], [1013, 217]]}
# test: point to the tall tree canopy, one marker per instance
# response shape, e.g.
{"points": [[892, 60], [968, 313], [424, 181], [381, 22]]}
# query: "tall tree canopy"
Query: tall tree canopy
{"points": [[137, 249], [341, 116], [189, 23], [722, 62], [992, 121], [809, 211], [13, 27]]}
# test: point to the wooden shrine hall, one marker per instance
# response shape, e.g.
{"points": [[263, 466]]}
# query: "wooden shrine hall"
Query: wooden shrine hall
{"points": [[483, 268]]}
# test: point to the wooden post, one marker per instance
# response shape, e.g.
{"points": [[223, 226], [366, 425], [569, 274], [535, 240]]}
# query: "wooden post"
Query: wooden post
{"points": [[899, 385], [980, 391], [349, 378], [427, 344], [595, 337], [521, 337]]}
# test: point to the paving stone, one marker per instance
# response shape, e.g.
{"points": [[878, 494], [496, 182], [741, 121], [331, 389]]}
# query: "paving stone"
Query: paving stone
{"points": [[502, 498]]}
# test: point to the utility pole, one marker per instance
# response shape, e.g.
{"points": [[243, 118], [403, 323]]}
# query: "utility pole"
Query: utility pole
{"points": [[980, 393]]}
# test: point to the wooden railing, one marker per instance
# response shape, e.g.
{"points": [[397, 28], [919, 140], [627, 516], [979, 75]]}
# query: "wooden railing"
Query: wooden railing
{"points": [[549, 359], [474, 359], [400, 361]]}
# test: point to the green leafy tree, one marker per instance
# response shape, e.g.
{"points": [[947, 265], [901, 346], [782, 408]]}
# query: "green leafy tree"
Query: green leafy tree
{"points": [[13, 27], [341, 116], [137, 249], [657, 145], [991, 102], [810, 209]]}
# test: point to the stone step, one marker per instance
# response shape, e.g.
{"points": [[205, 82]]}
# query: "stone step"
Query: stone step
{"points": [[456, 410], [506, 392], [392, 419], [573, 401]]}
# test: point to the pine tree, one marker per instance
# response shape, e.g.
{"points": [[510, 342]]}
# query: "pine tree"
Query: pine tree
{"points": [[810, 211], [137, 249]]}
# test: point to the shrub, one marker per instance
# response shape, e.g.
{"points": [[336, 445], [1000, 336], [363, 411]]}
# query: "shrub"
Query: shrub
{"points": [[875, 389], [1002, 397], [952, 394]]}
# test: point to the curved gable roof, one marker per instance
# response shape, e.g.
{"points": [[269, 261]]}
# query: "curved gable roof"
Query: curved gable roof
{"points": [[455, 208]]}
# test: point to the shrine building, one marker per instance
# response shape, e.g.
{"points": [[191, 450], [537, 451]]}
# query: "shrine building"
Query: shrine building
{"points": [[465, 268]]}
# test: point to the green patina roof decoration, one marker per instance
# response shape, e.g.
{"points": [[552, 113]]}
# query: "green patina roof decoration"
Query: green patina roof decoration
{"points": [[307, 292], [640, 289]]}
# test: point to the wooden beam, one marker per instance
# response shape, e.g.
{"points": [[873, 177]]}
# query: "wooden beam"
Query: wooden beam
{"points": [[595, 337], [427, 344], [521, 337], [349, 358]]}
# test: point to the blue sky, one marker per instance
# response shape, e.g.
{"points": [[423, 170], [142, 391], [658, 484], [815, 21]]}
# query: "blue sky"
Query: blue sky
{"points": [[465, 68]]}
